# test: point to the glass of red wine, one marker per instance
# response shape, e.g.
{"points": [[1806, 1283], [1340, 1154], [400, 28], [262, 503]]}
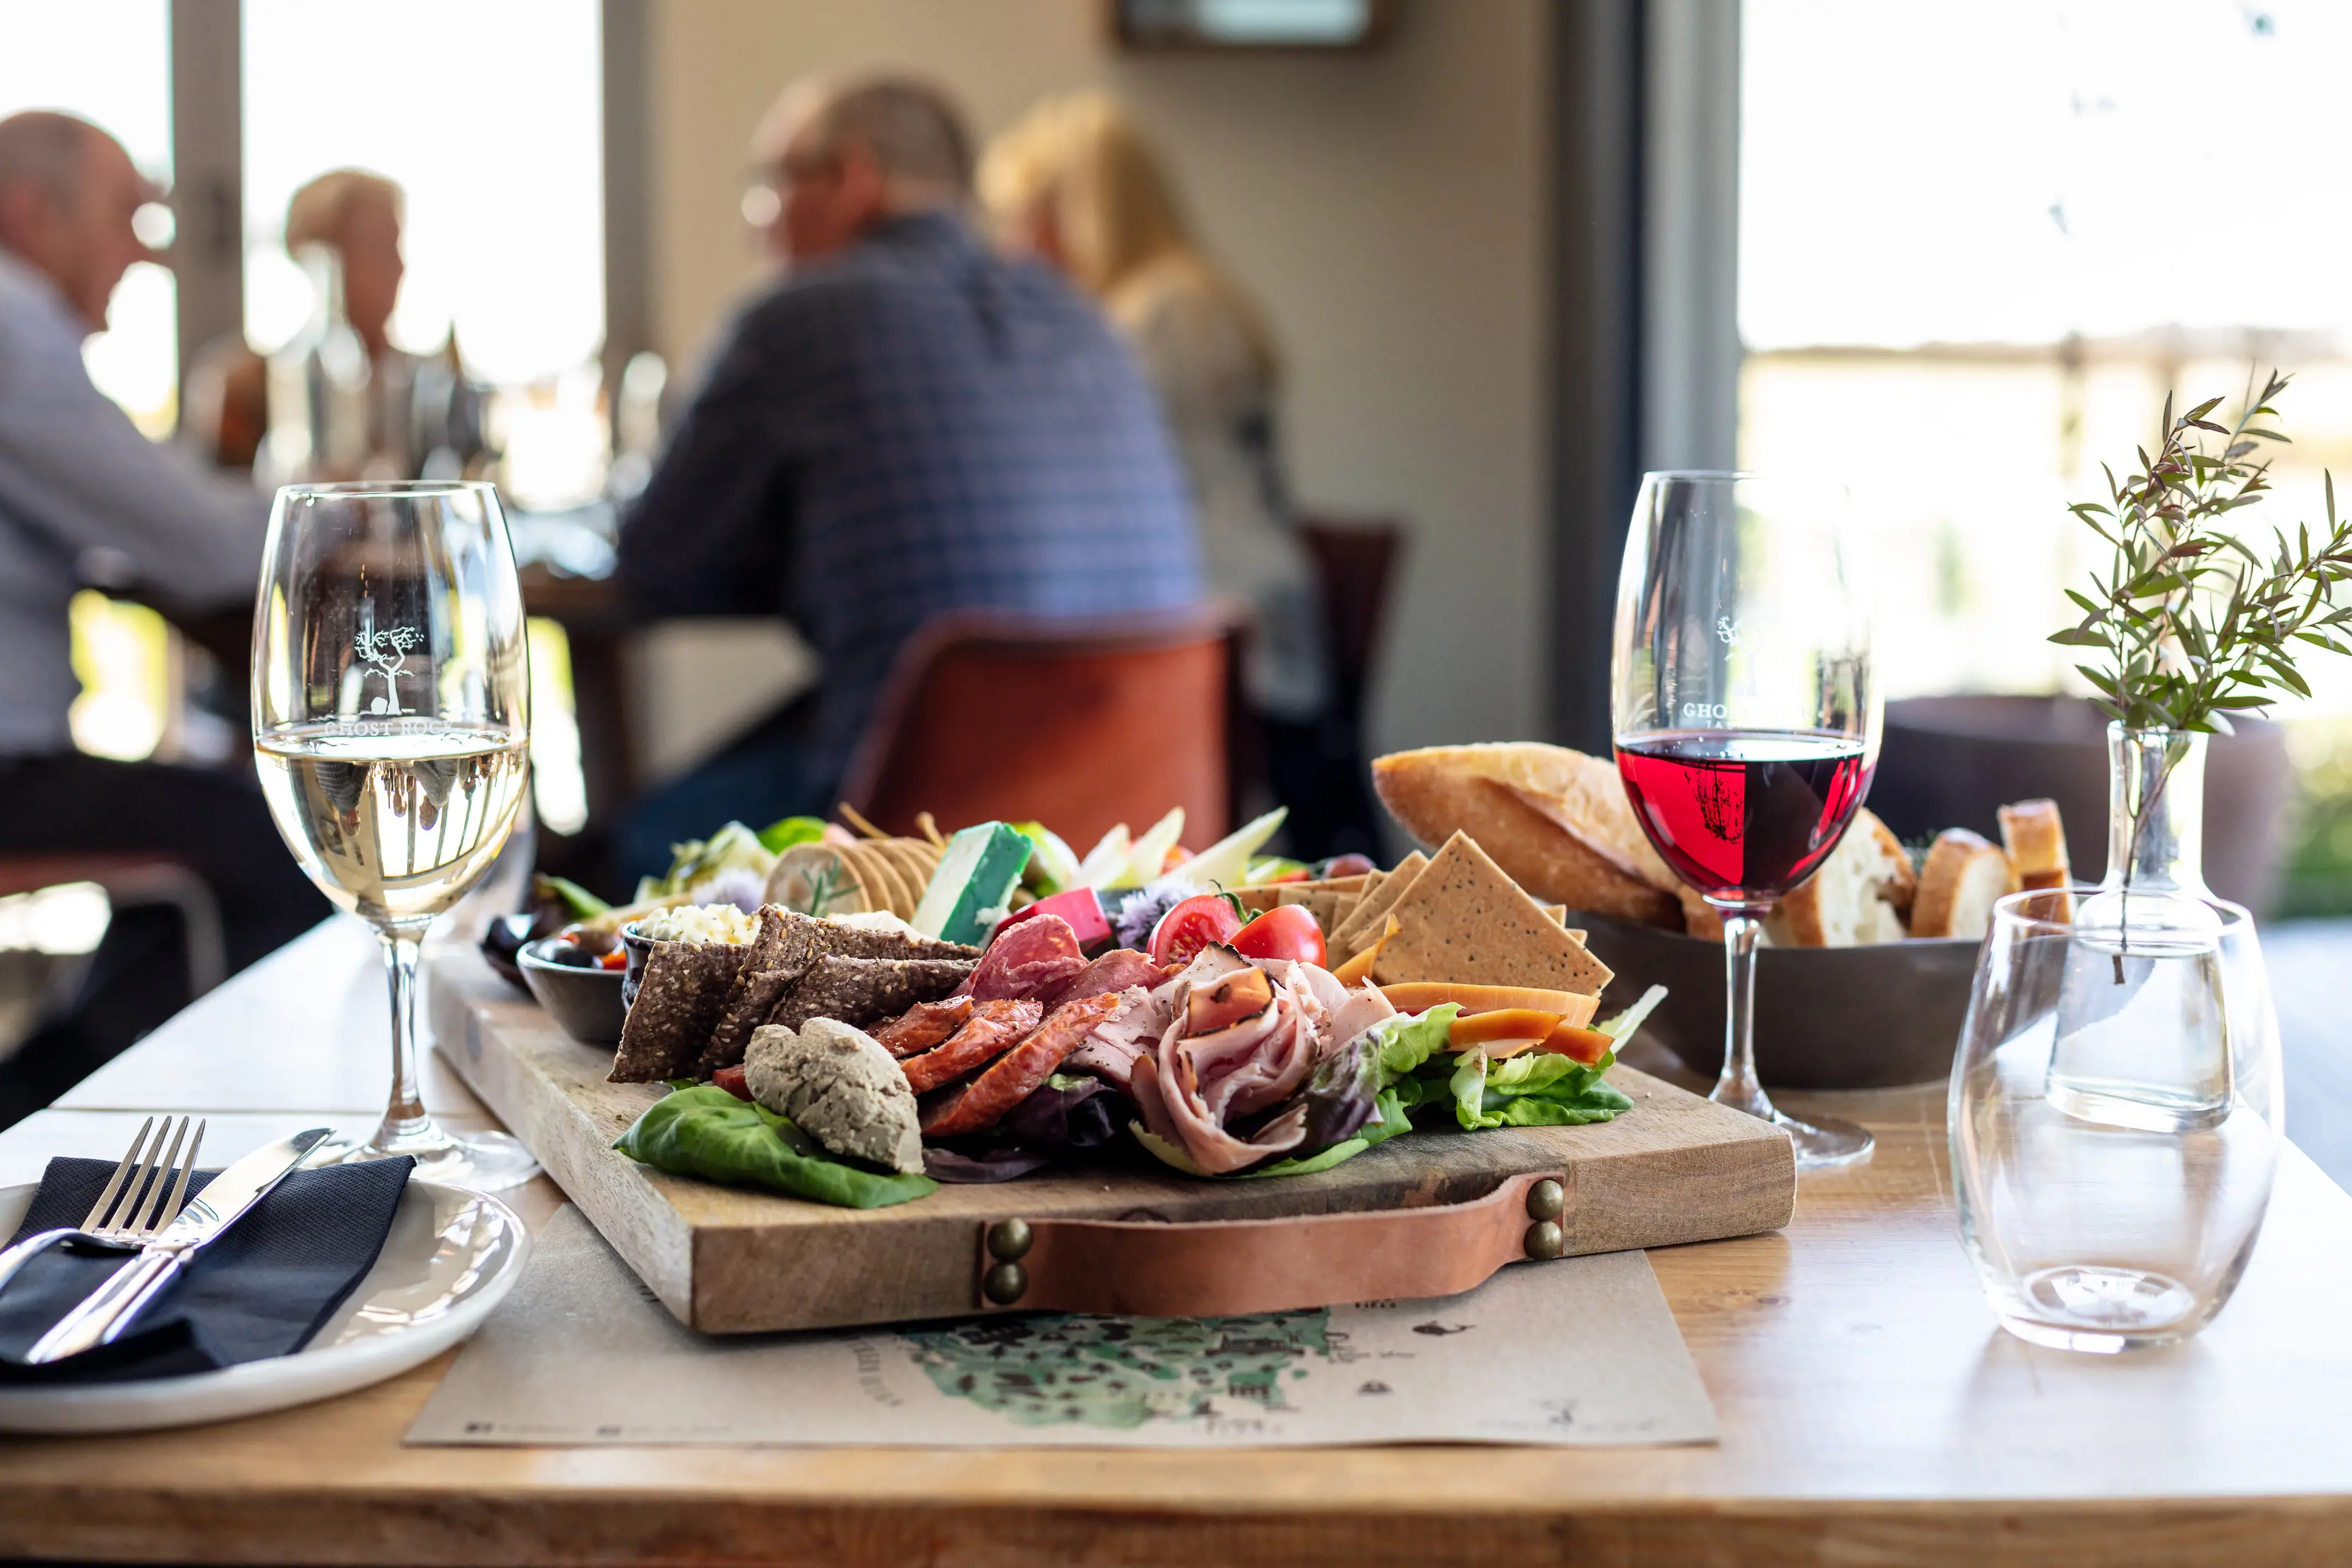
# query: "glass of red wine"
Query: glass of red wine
{"points": [[1745, 717]]}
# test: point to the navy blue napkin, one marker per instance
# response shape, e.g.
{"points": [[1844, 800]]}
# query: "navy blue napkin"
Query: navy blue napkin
{"points": [[263, 1288]]}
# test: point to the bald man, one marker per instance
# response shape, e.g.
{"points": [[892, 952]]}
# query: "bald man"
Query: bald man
{"points": [[86, 500], [906, 424]]}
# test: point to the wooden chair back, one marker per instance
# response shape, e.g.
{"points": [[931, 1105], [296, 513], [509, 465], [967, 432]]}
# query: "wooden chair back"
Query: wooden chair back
{"points": [[1080, 724]]}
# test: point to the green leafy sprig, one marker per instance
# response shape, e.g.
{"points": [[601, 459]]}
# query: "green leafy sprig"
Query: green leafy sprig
{"points": [[2195, 623]]}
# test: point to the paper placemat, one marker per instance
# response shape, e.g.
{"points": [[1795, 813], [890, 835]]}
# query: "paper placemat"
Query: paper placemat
{"points": [[1581, 1352]]}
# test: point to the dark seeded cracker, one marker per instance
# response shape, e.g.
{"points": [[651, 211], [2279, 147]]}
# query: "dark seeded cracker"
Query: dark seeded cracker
{"points": [[679, 1001]]}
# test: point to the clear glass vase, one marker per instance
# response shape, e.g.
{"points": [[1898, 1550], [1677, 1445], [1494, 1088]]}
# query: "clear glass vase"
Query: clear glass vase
{"points": [[2115, 1103]]}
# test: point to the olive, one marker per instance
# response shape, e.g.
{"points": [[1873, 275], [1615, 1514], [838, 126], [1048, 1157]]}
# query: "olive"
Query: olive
{"points": [[589, 940]]}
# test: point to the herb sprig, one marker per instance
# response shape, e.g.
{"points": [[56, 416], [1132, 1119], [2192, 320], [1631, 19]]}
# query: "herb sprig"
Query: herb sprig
{"points": [[2195, 623]]}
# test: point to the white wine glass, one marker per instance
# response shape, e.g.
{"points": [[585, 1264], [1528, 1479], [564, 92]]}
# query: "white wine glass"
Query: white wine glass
{"points": [[1745, 717], [391, 730]]}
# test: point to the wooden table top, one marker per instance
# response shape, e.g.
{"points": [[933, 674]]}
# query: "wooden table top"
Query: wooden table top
{"points": [[1871, 1411]]}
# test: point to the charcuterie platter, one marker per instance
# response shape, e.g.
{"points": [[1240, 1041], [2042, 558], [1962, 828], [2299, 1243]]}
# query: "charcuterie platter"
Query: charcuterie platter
{"points": [[1673, 1169], [892, 1079]]}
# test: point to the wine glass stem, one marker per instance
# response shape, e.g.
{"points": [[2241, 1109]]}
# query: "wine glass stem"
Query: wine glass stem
{"points": [[1738, 1086], [405, 1124]]}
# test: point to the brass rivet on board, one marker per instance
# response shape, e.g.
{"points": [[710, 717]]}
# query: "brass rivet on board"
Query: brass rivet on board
{"points": [[1545, 1200], [1005, 1284], [1546, 1240], [1009, 1239]]}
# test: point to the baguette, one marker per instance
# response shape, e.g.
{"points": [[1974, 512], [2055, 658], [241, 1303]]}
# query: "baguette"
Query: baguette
{"points": [[1556, 820], [2036, 842], [1852, 898], [1959, 886]]}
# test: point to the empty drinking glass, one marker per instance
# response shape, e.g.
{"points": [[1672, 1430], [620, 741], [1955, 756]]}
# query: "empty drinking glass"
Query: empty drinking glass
{"points": [[2116, 1118]]}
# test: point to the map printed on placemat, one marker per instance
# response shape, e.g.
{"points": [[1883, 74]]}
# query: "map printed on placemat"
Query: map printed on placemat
{"points": [[1579, 1351]]}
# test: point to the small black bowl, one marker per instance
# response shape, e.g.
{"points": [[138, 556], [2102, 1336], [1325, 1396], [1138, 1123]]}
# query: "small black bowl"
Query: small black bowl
{"points": [[639, 949], [1826, 1017], [586, 1003]]}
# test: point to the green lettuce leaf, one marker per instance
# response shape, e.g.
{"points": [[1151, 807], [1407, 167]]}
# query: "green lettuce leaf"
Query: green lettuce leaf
{"points": [[1405, 1043], [1535, 1088], [1620, 1028], [1390, 1121], [705, 1131]]}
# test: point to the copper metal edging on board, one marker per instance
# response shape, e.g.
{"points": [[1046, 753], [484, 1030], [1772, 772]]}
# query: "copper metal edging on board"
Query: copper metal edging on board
{"points": [[1219, 1267]]}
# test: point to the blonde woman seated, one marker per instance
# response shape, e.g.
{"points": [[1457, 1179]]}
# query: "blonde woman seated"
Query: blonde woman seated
{"points": [[1075, 183]]}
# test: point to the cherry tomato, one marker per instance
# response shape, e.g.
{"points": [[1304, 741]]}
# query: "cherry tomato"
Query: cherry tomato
{"points": [[1201, 921], [731, 1080], [1289, 932]]}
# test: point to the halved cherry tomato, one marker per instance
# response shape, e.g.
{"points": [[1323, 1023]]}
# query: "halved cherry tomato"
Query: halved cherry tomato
{"points": [[1289, 932], [618, 958], [731, 1080], [1201, 921]]}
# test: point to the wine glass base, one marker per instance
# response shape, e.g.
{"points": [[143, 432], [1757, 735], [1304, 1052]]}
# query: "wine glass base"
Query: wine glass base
{"points": [[482, 1161], [1824, 1143]]}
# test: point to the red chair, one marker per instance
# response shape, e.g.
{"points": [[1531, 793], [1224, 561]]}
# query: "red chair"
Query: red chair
{"points": [[1080, 724]]}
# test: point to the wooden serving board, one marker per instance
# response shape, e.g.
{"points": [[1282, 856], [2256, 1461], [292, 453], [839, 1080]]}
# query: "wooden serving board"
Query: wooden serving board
{"points": [[1675, 1168]]}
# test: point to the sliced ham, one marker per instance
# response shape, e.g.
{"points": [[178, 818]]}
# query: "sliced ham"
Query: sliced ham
{"points": [[1110, 1052], [1364, 1008]]}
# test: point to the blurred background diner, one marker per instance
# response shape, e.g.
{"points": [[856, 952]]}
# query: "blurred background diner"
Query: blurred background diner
{"points": [[1408, 292]]}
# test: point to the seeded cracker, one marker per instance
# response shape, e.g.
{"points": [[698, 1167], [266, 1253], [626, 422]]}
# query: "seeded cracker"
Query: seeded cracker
{"points": [[788, 945], [679, 1000], [1463, 920], [860, 991]]}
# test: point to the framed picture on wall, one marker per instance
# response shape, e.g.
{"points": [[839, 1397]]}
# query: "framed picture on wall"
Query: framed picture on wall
{"points": [[1316, 25]]}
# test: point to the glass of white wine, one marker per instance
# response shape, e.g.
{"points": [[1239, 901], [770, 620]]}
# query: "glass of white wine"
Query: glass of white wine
{"points": [[392, 730]]}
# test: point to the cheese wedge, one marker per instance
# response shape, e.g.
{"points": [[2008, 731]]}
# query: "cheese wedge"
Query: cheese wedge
{"points": [[969, 891], [1571, 1008], [1359, 969]]}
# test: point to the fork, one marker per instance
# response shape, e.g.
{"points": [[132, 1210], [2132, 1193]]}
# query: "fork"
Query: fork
{"points": [[146, 1192]]}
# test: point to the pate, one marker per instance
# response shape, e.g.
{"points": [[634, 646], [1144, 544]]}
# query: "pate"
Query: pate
{"points": [[838, 1086]]}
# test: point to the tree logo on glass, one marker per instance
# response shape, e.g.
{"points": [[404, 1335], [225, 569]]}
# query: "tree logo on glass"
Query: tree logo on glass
{"points": [[384, 652]]}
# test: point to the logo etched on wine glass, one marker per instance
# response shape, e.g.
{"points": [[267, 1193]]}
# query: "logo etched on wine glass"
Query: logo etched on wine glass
{"points": [[385, 651], [1727, 631]]}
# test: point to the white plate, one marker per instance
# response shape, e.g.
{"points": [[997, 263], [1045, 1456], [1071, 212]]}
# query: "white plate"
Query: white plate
{"points": [[450, 1257]]}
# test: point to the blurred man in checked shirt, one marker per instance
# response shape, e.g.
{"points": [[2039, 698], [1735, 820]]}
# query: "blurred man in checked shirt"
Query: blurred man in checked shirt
{"points": [[904, 425]]}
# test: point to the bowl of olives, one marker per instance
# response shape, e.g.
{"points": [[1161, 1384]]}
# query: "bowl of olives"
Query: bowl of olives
{"points": [[576, 974]]}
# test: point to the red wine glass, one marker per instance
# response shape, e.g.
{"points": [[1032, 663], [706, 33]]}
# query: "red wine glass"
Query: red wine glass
{"points": [[1745, 717]]}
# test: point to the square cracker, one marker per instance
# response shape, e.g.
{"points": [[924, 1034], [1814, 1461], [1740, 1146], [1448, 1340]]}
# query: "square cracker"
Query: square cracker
{"points": [[1358, 931], [1465, 920]]}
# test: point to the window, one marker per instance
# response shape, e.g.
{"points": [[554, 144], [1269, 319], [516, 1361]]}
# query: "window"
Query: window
{"points": [[110, 65], [1979, 244], [490, 119]]}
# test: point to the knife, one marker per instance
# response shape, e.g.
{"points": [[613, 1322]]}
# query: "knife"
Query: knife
{"points": [[103, 1316]]}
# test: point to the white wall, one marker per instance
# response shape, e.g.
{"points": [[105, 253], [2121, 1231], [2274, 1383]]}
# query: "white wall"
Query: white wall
{"points": [[1387, 210]]}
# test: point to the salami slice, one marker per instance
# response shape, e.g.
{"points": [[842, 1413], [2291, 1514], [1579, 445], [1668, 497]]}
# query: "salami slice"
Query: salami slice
{"points": [[923, 1026], [1037, 958], [994, 1028], [1016, 1075]]}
